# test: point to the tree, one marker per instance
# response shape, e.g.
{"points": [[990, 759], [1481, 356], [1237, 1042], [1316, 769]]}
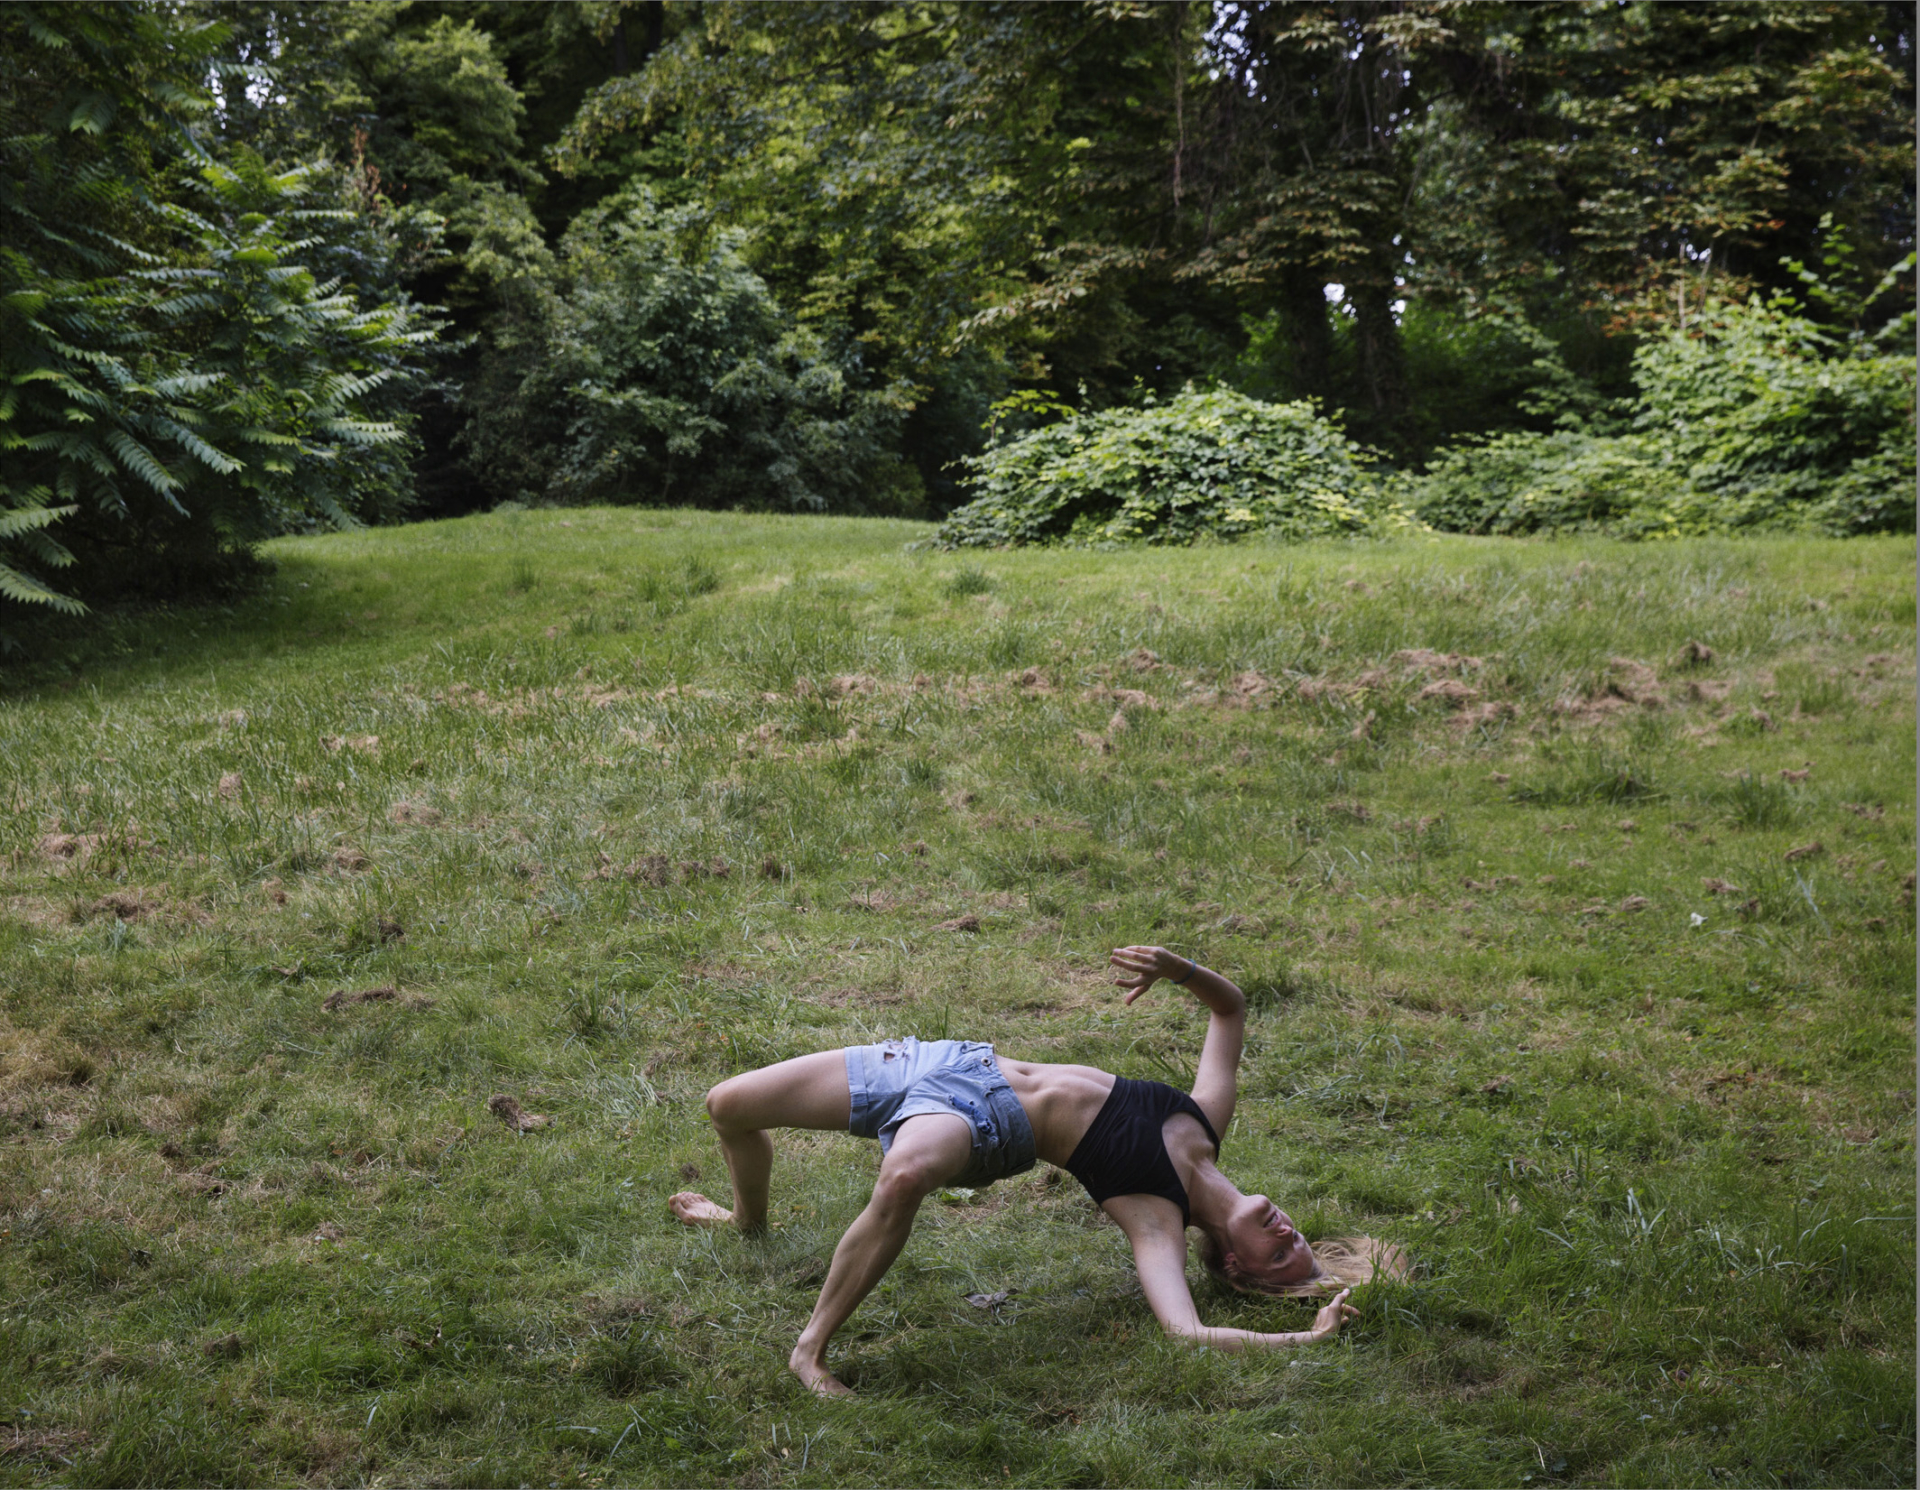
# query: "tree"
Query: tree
{"points": [[1642, 158], [1108, 192], [642, 369], [174, 382]]}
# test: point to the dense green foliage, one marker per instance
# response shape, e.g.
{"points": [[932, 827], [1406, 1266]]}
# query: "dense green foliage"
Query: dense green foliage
{"points": [[1217, 464], [1440, 222], [179, 383], [1116, 193], [642, 372], [1755, 418]]}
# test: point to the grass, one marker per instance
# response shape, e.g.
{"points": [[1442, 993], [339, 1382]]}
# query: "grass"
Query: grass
{"points": [[1584, 969]]}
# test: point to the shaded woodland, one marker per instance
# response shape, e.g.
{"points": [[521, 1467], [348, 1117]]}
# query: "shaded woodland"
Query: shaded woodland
{"points": [[272, 267]]}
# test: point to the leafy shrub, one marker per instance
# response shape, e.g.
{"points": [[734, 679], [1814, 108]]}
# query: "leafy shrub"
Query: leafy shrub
{"points": [[174, 383], [1565, 481], [1759, 419], [1778, 423], [1217, 464], [645, 370], [305, 383]]}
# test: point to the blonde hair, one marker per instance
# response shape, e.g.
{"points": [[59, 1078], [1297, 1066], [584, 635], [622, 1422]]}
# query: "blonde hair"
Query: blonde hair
{"points": [[1343, 1262]]}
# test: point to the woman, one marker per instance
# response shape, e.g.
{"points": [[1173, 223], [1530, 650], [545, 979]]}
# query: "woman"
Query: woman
{"points": [[951, 1112]]}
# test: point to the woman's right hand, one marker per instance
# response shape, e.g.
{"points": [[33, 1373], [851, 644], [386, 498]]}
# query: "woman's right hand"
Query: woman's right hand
{"points": [[1326, 1324]]}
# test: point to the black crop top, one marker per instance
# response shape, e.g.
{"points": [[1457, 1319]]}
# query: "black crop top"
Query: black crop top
{"points": [[1124, 1152]]}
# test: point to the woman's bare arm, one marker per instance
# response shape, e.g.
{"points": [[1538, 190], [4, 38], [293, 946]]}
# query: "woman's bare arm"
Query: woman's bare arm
{"points": [[1326, 1324], [1152, 1225], [1216, 1083]]}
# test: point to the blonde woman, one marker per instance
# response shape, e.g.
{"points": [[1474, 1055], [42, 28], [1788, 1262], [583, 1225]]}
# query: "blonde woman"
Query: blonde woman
{"points": [[952, 1112]]}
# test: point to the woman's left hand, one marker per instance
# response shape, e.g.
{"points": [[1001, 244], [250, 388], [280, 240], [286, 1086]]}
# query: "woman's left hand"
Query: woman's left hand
{"points": [[1141, 967], [1326, 1324]]}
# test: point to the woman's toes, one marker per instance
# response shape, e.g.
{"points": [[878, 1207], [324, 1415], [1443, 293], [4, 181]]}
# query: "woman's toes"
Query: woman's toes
{"points": [[693, 1208]]}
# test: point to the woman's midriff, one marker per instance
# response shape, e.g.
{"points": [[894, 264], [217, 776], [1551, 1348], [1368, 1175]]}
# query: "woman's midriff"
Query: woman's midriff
{"points": [[1061, 1103]]}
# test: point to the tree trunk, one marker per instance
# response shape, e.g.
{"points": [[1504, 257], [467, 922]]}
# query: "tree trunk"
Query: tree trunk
{"points": [[1383, 360], [1303, 304]]}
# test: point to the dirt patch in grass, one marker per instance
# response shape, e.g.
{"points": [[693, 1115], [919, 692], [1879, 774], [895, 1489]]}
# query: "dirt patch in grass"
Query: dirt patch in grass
{"points": [[883, 899], [386, 994], [67, 852], [618, 1309], [844, 995], [41, 1445], [140, 905], [32, 1061], [40, 912]]}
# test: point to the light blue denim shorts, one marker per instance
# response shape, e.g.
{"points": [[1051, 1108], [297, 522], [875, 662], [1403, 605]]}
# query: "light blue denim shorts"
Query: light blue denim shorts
{"points": [[898, 1079]]}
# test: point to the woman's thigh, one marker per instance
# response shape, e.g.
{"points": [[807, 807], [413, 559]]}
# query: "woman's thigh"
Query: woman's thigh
{"points": [[809, 1091]]}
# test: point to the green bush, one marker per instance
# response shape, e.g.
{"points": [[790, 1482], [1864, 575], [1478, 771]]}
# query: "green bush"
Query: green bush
{"points": [[175, 382], [1779, 423], [644, 369], [1565, 481], [1214, 464], [1757, 419]]}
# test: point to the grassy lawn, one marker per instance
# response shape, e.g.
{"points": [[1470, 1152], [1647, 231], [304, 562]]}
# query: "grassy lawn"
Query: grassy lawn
{"points": [[1582, 962]]}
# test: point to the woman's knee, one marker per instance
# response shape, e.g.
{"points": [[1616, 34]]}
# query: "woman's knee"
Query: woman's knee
{"points": [[901, 1187], [913, 1170], [724, 1103]]}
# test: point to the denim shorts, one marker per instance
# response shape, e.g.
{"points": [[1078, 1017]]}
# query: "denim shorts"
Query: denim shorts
{"points": [[898, 1079]]}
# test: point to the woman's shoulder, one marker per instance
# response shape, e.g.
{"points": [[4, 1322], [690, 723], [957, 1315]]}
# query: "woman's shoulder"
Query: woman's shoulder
{"points": [[1185, 1104]]}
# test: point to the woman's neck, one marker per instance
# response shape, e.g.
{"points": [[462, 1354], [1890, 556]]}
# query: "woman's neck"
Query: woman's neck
{"points": [[1211, 1197]]}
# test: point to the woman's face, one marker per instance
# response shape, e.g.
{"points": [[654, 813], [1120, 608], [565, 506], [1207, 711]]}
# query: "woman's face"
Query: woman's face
{"points": [[1266, 1247]]}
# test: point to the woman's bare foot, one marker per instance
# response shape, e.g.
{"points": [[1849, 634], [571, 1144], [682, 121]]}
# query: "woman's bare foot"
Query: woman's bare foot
{"points": [[817, 1377], [691, 1208]]}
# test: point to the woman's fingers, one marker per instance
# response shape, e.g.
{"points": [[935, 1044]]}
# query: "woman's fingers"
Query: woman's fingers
{"points": [[1135, 960], [1336, 1312], [1140, 966]]}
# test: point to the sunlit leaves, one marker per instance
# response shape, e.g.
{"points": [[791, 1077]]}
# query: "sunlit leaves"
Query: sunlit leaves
{"points": [[1214, 465]]}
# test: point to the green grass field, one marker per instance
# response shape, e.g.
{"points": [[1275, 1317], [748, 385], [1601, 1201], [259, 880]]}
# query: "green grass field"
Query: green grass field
{"points": [[1582, 965]]}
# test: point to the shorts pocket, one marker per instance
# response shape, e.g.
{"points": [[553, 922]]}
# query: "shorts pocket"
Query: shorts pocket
{"points": [[982, 1122]]}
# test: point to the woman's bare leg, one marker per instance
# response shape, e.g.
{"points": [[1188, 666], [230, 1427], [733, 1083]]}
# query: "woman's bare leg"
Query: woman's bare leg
{"points": [[927, 1151], [809, 1091]]}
